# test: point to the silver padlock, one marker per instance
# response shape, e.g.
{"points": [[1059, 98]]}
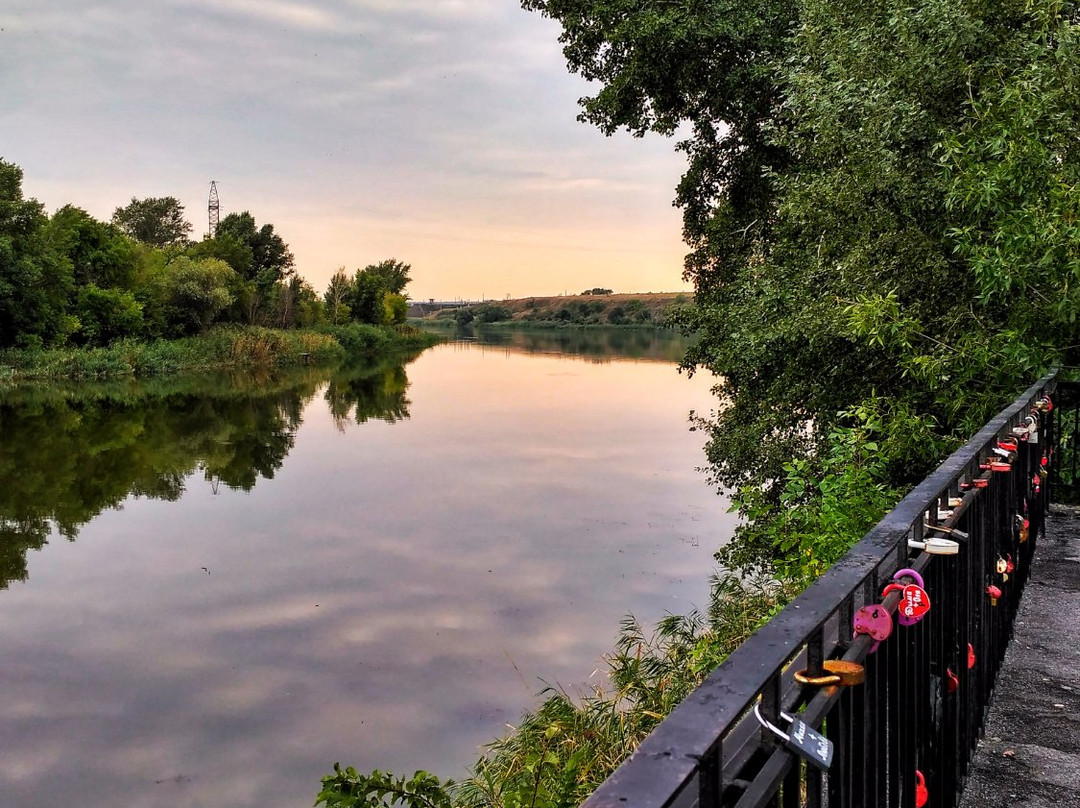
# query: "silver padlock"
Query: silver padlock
{"points": [[802, 739]]}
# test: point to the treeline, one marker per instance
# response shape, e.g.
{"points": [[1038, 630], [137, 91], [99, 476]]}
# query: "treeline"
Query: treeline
{"points": [[71, 280], [650, 310]]}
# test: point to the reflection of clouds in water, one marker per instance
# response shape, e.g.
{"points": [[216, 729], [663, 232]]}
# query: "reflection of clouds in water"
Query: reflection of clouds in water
{"points": [[451, 577]]}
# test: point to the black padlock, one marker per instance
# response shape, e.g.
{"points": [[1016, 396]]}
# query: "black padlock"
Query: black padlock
{"points": [[802, 739]]}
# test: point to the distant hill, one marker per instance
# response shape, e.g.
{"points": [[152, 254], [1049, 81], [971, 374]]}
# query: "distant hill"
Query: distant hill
{"points": [[614, 309]]}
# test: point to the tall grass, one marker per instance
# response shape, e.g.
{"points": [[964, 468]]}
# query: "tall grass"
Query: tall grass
{"points": [[224, 347]]}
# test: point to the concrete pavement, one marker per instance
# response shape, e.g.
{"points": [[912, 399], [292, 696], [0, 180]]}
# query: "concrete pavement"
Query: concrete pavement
{"points": [[1030, 754]]}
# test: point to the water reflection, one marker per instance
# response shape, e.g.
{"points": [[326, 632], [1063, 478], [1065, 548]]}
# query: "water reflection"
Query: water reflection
{"points": [[69, 452], [595, 344], [387, 568]]}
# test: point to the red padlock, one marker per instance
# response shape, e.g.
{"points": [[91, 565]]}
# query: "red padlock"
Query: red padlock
{"points": [[971, 656], [921, 794], [952, 681], [994, 593], [914, 602], [1009, 565]]}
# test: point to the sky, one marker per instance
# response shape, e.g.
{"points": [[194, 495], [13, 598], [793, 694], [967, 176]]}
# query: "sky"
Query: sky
{"points": [[442, 133]]}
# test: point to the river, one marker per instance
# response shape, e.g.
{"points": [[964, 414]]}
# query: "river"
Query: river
{"points": [[217, 586]]}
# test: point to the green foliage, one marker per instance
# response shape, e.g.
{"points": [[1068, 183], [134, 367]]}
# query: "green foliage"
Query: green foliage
{"points": [[193, 293], [491, 313], [237, 234], [597, 290], [35, 280], [395, 309], [878, 201], [337, 293], [1012, 171], [393, 274], [345, 788], [229, 247], [158, 222], [107, 314], [99, 253], [827, 503], [261, 259], [365, 299], [375, 295]]}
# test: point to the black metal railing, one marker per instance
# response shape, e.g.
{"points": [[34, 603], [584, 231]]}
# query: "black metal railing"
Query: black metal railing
{"points": [[916, 718]]}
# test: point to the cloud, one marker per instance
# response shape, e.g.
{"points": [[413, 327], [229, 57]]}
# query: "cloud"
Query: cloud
{"points": [[458, 112], [305, 16]]}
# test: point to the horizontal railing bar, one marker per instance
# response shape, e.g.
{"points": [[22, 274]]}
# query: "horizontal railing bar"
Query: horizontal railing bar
{"points": [[667, 760]]}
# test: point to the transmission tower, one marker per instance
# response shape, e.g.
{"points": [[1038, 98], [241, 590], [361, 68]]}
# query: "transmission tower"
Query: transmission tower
{"points": [[213, 208]]}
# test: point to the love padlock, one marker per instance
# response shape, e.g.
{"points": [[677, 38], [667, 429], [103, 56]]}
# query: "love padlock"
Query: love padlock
{"points": [[1009, 445], [833, 672], [802, 739], [936, 546], [873, 620], [1022, 526], [921, 794], [908, 572], [1002, 566], [994, 593], [996, 466], [971, 656], [1009, 565], [914, 603], [952, 681]]}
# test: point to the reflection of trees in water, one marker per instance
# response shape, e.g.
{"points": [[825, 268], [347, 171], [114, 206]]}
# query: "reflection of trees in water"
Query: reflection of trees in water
{"points": [[372, 391], [597, 344], [67, 454]]}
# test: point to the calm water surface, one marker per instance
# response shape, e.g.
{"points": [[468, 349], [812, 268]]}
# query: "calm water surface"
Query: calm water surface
{"points": [[215, 588]]}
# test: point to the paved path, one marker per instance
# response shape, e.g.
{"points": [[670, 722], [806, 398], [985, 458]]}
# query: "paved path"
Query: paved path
{"points": [[1030, 755]]}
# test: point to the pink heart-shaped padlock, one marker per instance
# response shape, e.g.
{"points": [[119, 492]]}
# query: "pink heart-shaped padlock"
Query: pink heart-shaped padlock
{"points": [[875, 621]]}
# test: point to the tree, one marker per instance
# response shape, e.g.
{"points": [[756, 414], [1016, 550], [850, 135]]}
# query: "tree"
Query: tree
{"points": [[156, 221], [227, 247], [271, 262], [192, 294], [106, 314], [878, 204], [99, 253], [35, 281], [394, 274], [337, 293], [270, 257], [366, 297]]}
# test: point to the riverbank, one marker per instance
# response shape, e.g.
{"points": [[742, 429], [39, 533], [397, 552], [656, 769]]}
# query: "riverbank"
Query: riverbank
{"points": [[219, 348], [649, 310]]}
